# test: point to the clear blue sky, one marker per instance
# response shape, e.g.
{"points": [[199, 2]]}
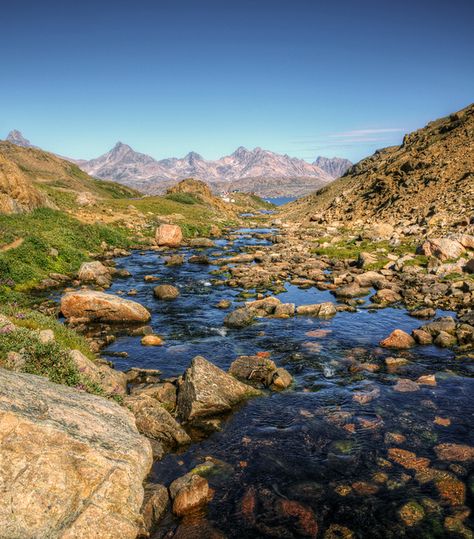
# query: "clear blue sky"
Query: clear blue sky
{"points": [[302, 77]]}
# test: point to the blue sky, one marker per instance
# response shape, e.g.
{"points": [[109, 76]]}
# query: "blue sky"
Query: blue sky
{"points": [[302, 77]]}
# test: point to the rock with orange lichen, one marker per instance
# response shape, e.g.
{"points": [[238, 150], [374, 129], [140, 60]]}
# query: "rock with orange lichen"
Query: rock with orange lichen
{"points": [[411, 513], [451, 489], [364, 488], [398, 339], [407, 459]]}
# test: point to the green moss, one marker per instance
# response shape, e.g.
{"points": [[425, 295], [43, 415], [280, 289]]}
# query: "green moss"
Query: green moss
{"points": [[183, 198]]}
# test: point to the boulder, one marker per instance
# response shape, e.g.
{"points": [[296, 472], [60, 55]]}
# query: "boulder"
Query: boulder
{"points": [[422, 337], [442, 248], [80, 458], [371, 278], [444, 323], [111, 381], [469, 266], [175, 260], [168, 235], [268, 305], [165, 292], [378, 231], [281, 379], [95, 272], [239, 318], [155, 422], [445, 340], [101, 307], [199, 259], [188, 493], [398, 339], [284, 310], [366, 259], [206, 390]]}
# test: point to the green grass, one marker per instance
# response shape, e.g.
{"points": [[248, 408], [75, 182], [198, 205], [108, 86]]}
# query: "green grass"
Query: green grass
{"points": [[44, 359], [184, 198], [34, 320], [42, 230], [352, 248]]}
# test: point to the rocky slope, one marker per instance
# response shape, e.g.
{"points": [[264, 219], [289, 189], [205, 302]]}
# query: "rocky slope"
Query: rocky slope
{"points": [[16, 137], [428, 179], [241, 170], [334, 166], [31, 178]]}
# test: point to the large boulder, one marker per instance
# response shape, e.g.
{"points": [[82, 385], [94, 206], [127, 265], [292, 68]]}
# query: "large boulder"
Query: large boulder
{"points": [[442, 248], [101, 307], [168, 235], [95, 272], [71, 464], [321, 310], [207, 390]]}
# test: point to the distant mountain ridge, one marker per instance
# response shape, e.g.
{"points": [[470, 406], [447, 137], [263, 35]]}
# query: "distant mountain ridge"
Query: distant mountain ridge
{"points": [[230, 172], [261, 171], [334, 166]]}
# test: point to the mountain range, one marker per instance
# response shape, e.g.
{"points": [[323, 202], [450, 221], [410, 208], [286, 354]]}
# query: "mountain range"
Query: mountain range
{"points": [[261, 171]]}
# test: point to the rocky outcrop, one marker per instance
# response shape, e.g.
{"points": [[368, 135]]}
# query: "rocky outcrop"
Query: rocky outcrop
{"points": [[168, 236], [101, 307], [206, 390], [188, 493], [72, 464], [17, 192], [334, 166], [442, 248]]}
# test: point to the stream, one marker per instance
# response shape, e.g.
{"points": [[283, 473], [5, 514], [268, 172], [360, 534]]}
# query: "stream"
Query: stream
{"points": [[320, 443]]}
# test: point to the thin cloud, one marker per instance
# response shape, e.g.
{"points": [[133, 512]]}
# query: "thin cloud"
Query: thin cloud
{"points": [[357, 133]]}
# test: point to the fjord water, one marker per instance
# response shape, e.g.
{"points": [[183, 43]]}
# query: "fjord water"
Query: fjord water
{"points": [[317, 443]]}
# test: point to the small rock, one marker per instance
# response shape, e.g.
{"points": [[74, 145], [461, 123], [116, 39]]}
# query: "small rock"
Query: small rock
{"points": [[239, 318], [398, 339], [152, 340], [189, 492], [165, 292]]}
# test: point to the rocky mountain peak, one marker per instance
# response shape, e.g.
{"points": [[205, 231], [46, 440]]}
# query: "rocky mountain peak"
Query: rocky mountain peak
{"points": [[193, 156], [334, 166], [16, 137]]}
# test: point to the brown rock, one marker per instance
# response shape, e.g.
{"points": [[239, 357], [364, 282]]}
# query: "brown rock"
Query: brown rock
{"points": [[398, 339], [165, 292], [442, 248], [155, 422], [100, 307], [306, 523], [189, 492], [152, 340], [422, 337], [154, 507], [95, 272], [455, 452], [168, 235]]}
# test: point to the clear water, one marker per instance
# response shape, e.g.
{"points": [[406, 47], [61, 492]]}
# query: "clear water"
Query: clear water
{"points": [[279, 201], [311, 441]]}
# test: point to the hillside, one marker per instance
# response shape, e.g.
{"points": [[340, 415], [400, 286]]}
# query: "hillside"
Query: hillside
{"points": [[428, 179], [31, 178]]}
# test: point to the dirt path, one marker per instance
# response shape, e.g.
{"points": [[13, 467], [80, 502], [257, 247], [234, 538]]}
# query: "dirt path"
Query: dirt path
{"points": [[12, 245]]}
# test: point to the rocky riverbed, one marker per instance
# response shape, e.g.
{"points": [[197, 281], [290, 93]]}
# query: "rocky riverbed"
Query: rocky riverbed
{"points": [[373, 436]]}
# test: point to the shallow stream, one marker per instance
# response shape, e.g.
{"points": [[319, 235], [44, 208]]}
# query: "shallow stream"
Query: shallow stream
{"points": [[319, 443]]}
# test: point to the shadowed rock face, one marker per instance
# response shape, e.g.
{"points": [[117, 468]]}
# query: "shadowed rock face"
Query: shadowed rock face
{"points": [[100, 307], [72, 464]]}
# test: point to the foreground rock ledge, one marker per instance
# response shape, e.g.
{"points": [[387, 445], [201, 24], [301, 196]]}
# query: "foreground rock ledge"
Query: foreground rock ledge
{"points": [[71, 464], [101, 307]]}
